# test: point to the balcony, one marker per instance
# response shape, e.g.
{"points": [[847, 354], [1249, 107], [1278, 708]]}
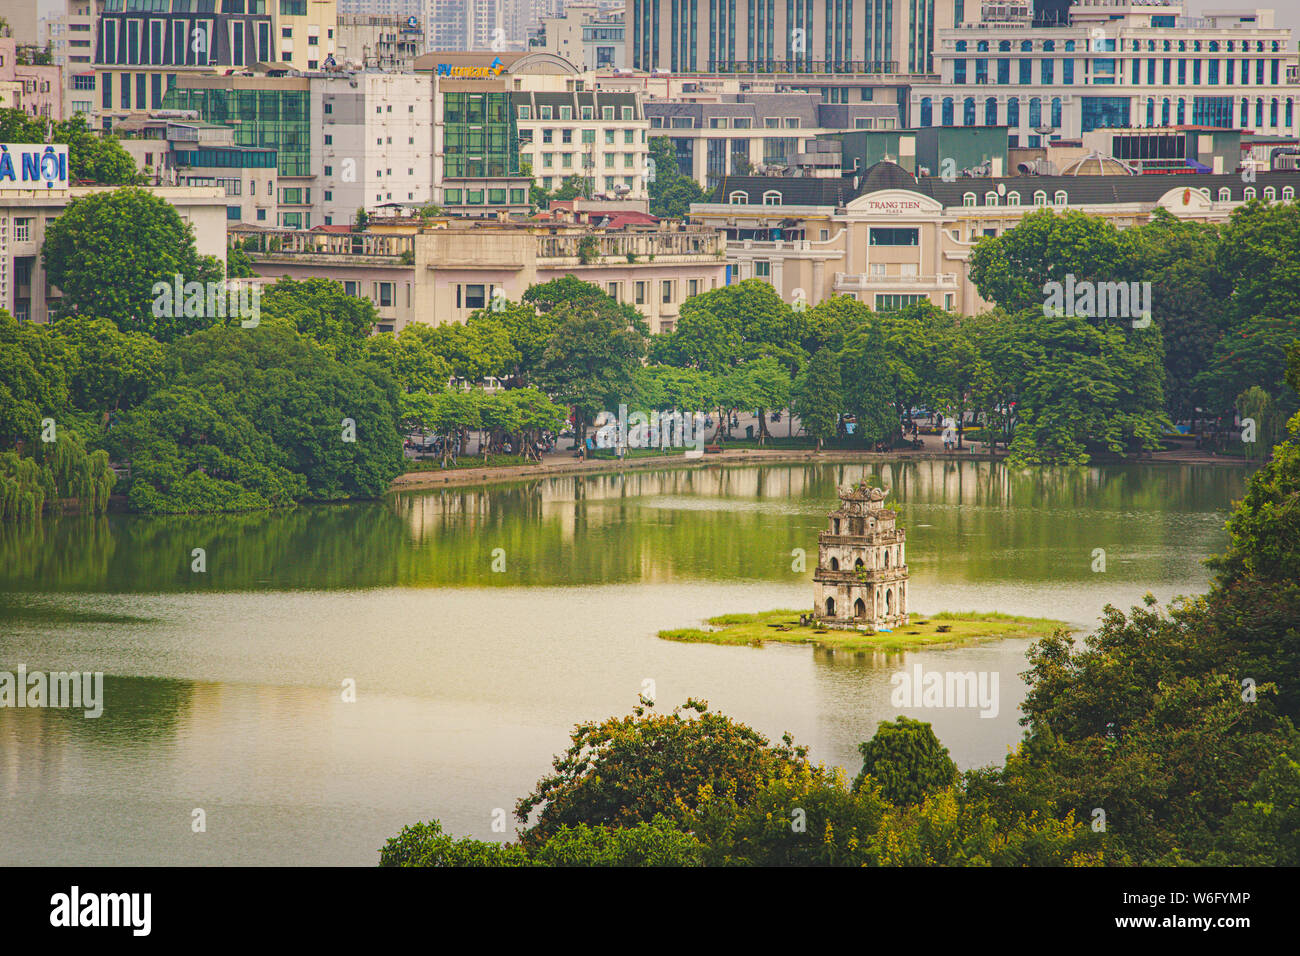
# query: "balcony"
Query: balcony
{"points": [[643, 246], [861, 282], [294, 243]]}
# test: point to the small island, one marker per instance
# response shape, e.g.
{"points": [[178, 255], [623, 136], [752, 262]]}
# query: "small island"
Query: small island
{"points": [[947, 629], [860, 591]]}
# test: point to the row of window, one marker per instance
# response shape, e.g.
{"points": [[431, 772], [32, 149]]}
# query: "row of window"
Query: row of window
{"points": [[567, 160], [610, 182], [588, 136], [1060, 198], [1112, 44], [1114, 111], [475, 197], [1110, 71], [607, 113], [725, 122]]}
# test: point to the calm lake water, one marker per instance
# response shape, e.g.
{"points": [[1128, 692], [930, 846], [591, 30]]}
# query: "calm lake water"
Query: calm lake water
{"points": [[224, 688]]}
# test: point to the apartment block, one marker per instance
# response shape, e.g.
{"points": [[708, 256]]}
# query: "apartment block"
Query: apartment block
{"points": [[36, 90], [597, 136], [70, 36], [891, 240]]}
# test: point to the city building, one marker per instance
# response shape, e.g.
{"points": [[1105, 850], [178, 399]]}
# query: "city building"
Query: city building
{"points": [[599, 137], [861, 576], [382, 8], [476, 139], [36, 90], [796, 37], [1116, 64], [23, 17], [69, 36], [25, 214], [178, 151], [890, 239], [344, 141], [584, 34], [469, 25], [416, 272], [143, 47], [733, 133], [379, 41]]}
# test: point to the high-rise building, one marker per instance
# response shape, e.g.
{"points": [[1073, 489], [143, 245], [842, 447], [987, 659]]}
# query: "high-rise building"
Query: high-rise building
{"points": [[1116, 64], [786, 36], [142, 46]]}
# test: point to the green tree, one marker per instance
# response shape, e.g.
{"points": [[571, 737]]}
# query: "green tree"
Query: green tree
{"points": [[818, 398], [92, 158], [671, 193], [109, 250], [1013, 268], [320, 308], [592, 357], [634, 769], [906, 761], [424, 844]]}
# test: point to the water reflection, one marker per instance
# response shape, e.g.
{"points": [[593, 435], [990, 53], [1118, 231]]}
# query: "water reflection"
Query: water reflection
{"points": [[223, 689]]}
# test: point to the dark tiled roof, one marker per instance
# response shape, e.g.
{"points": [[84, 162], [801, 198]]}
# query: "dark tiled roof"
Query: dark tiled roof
{"points": [[1099, 190], [794, 190]]}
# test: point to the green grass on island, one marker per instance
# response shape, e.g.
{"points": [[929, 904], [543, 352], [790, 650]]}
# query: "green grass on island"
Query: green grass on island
{"points": [[947, 628]]}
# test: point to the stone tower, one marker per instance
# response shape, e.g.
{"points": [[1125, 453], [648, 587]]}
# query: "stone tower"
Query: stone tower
{"points": [[861, 575]]}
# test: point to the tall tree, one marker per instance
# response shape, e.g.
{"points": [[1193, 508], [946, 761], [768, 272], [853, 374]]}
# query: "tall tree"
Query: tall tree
{"points": [[107, 252]]}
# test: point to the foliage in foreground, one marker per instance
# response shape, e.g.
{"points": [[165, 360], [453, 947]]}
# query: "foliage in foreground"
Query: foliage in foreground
{"points": [[1168, 738]]}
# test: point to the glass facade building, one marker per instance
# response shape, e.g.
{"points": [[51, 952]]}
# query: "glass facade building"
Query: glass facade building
{"points": [[269, 118]]}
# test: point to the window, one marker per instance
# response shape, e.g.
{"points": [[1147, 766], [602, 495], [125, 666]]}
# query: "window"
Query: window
{"points": [[1060, 199], [692, 287], [1040, 198], [968, 199], [896, 236], [1225, 194], [990, 198], [1270, 193], [612, 290], [762, 268], [22, 230], [1013, 198], [666, 291], [894, 302], [772, 198], [738, 198], [1248, 193], [640, 293], [474, 297], [525, 112], [1288, 193], [384, 294]]}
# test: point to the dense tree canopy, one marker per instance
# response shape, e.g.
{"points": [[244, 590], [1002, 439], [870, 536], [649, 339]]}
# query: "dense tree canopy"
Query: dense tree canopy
{"points": [[108, 251]]}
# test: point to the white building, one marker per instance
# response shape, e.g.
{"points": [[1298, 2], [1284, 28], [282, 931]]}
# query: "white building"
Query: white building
{"points": [[1118, 64], [585, 35], [599, 136], [373, 143]]}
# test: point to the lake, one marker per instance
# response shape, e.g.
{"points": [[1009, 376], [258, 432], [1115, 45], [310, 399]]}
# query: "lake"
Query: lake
{"points": [[224, 688]]}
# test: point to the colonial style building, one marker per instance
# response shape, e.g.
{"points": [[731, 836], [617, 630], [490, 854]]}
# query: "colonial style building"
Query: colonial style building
{"points": [[445, 269], [861, 576], [891, 240]]}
